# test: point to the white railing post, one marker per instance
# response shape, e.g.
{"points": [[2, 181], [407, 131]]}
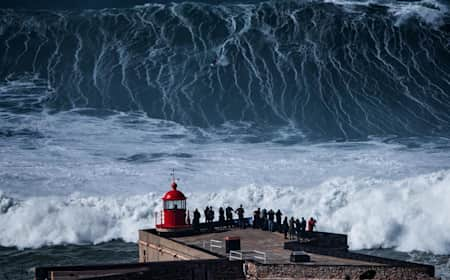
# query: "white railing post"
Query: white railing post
{"points": [[215, 244], [263, 256], [235, 255]]}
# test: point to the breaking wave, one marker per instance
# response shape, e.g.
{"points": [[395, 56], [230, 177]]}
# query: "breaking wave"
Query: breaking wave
{"points": [[375, 213], [335, 69]]}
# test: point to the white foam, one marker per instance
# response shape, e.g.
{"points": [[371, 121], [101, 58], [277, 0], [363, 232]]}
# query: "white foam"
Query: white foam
{"points": [[430, 11], [408, 214], [40, 221]]}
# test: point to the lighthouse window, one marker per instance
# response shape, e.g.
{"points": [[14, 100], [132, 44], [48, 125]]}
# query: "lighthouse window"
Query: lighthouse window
{"points": [[175, 204]]}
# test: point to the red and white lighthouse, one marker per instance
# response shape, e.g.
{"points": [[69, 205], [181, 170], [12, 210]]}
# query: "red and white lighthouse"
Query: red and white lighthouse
{"points": [[173, 216]]}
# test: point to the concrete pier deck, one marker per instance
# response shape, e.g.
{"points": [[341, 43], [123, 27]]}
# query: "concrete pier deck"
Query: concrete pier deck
{"points": [[271, 243]]}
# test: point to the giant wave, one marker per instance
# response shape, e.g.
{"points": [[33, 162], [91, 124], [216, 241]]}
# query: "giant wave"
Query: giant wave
{"points": [[334, 69]]}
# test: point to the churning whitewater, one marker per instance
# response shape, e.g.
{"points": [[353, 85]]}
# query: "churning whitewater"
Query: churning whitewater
{"points": [[334, 109], [399, 210]]}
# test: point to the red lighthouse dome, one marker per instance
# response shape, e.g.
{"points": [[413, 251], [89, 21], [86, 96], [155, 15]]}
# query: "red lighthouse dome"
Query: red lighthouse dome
{"points": [[174, 194], [173, 216]]}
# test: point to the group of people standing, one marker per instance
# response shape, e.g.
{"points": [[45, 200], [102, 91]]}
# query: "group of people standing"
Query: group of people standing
{"points": [[272, 221], [298, 228], [262, 219], [225, 217]]}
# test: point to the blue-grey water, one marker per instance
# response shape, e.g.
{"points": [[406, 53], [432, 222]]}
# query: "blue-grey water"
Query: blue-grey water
{"points": [[334, 109]]}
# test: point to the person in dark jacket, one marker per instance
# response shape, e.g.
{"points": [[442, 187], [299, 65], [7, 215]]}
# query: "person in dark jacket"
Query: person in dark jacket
{"points": [[196, 221], [240, 212], [221, 217], [278, 224], [210, 219], [211, 214], [206, 213], [264, 220], [257, 218], [285, 227], [302, 227], [271, 215], [229, 214]]}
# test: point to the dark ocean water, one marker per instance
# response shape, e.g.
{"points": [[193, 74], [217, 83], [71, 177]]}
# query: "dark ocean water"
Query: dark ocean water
{"points": [[334, 109], [25, 260]]}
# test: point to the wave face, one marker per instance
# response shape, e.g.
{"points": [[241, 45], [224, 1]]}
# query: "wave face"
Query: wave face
{"points": [[334, 69]]}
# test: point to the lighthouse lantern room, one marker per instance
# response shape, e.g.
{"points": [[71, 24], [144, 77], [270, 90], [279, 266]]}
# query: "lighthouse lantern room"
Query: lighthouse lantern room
{"points": [[173, 217]]}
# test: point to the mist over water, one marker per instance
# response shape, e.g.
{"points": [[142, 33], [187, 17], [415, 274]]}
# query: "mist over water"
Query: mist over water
{"points": [[334, 109]]}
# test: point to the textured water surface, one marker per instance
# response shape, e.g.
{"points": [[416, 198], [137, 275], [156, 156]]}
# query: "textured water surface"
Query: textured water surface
{"points": [[334, 109]]}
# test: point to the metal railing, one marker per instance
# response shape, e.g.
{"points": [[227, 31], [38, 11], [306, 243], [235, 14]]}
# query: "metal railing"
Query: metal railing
{"points": [[259, 255], [213, 244], [235, 255], [255, 255]]}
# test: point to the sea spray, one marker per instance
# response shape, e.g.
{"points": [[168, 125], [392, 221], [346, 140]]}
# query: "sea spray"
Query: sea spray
{"points": [[374, 213]]}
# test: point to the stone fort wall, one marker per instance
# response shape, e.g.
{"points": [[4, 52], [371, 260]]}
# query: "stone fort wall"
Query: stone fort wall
{"points": [[299, 271]]}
